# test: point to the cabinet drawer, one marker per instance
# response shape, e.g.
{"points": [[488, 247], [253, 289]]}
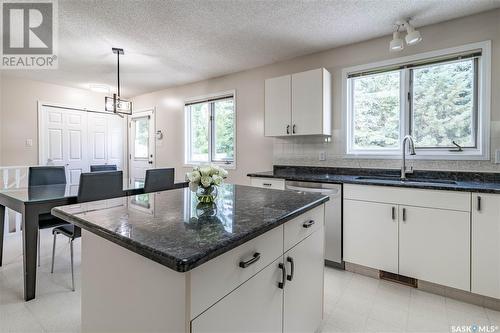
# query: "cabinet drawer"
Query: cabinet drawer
{"points": [[451, 200], [301, 227], [218, 277], [256, 306], [277, 184]]}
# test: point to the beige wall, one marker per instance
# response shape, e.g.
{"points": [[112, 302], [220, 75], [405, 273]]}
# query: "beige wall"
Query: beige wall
{"points": [[19, 115], [257, 153]]}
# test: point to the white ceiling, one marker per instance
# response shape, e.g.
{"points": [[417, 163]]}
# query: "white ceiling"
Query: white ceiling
{"points": [[175, 42]]}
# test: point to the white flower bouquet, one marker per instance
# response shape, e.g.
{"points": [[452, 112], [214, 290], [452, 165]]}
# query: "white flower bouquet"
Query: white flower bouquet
{"points": [[204, 179]]}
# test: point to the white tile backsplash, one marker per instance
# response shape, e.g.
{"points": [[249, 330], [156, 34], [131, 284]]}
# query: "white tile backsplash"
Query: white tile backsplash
{"points": [[305, 151]]}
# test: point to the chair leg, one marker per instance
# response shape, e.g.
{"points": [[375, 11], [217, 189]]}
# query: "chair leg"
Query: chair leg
{"points": [[53, 252], [72, 268], [38, 247]]}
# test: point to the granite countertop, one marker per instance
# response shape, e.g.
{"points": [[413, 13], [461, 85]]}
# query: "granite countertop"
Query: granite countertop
{"points": [[172, 229], [434, 180]]}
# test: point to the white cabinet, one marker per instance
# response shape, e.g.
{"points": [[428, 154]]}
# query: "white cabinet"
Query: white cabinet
{"points": [[277, 184], [278, 106], [434, 245], [298, 104], [371, 234], [423, 234], [284, 296], [311, 102], [256, 306], [304, 286], [486, 245]]}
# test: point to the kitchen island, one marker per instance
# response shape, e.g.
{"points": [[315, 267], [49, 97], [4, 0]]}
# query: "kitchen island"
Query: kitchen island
{"points": [[161, 262]]}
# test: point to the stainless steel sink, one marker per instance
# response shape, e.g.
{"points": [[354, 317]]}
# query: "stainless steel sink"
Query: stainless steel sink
{"points": [[408, 180]]}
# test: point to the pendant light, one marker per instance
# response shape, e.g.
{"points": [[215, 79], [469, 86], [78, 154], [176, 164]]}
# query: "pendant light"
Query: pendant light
{"points": [[115, 104]]}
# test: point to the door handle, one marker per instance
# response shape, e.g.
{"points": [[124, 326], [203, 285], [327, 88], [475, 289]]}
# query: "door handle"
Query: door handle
{"points": [[150, 162], [281, 284], [478, 203], [404, 214], [289, 277], [393, 212], [308, 224], [293, 129], [287, 129], [254, 259]]}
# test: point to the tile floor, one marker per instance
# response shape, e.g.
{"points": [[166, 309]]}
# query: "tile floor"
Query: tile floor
{"points": [[353, 303]]}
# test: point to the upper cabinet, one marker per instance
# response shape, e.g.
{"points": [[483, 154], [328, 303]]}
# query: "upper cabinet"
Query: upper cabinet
{"points": [[278, 106], [299, 104]]}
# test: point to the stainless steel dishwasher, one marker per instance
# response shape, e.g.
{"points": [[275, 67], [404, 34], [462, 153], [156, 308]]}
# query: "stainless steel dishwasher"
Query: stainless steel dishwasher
{"points": [[333, 217]]}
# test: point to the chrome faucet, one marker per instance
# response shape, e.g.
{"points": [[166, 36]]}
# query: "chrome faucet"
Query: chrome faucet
{"points": [[411, 147]]}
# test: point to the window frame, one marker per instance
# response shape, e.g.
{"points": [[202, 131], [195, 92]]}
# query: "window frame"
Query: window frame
{"points": [[482, 95], [227, 164]]}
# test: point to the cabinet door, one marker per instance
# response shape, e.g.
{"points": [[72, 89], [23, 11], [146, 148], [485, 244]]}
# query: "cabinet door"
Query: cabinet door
{"points": [[278, 112], [371, 234], [434, 245], [255, 306], [486, 245], [307, 102], [303, 298]]}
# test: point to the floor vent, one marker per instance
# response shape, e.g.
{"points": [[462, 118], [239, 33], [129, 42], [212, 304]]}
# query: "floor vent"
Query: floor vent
{"points": [[407, 281]]}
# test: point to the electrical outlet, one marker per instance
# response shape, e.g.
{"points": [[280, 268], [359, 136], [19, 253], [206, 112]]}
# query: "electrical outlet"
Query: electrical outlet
{"points": [[28, 143], [322, 156]]}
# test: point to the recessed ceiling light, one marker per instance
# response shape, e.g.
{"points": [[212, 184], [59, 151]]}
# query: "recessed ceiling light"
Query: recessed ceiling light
{"points": [[100, 88]]}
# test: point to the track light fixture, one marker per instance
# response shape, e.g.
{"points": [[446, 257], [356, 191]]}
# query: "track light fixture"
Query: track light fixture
{"points": [[412, 36]]}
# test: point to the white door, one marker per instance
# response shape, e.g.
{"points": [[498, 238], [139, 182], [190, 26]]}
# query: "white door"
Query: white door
{"points": [[434, 246], [307, 102], [64, 141], [278, 112], [303, 305], [77, 139], [105, 139], [255, 306], [141, 146], [486, 244], [371, 234]]}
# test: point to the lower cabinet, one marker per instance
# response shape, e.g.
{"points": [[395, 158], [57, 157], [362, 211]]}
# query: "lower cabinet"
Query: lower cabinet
{"points": [[286, 296], [423, 234], [304, 285], [371, 234], [434, 245], [256, 306], [486, 244]]}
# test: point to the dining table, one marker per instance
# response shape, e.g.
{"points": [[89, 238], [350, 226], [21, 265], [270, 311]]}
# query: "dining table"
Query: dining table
{"points": [[31, 202]]}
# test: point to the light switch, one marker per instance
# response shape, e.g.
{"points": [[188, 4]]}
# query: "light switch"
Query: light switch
{"points": [[29, 143], [497, 156]]}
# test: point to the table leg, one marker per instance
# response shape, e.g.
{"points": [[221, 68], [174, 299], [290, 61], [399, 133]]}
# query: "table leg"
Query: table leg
{"points": [[30, 240], [2, 226]]}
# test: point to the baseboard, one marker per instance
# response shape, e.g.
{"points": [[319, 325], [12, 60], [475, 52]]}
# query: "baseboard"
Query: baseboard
{"points": [[334, 264], [433, 288]]}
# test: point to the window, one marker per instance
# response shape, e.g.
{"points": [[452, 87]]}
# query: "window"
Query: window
{"points": [[440, 99], [211, 130], [141, 138]]}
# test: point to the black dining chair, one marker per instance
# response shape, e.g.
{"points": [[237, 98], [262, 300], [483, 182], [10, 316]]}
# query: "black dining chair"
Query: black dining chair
{"points": [[41, 176], [104, 167], [159, 180], [93, 187]]}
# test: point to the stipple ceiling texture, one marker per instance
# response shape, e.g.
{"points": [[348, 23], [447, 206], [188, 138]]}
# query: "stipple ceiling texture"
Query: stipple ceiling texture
{"points": [[169, 43]]}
